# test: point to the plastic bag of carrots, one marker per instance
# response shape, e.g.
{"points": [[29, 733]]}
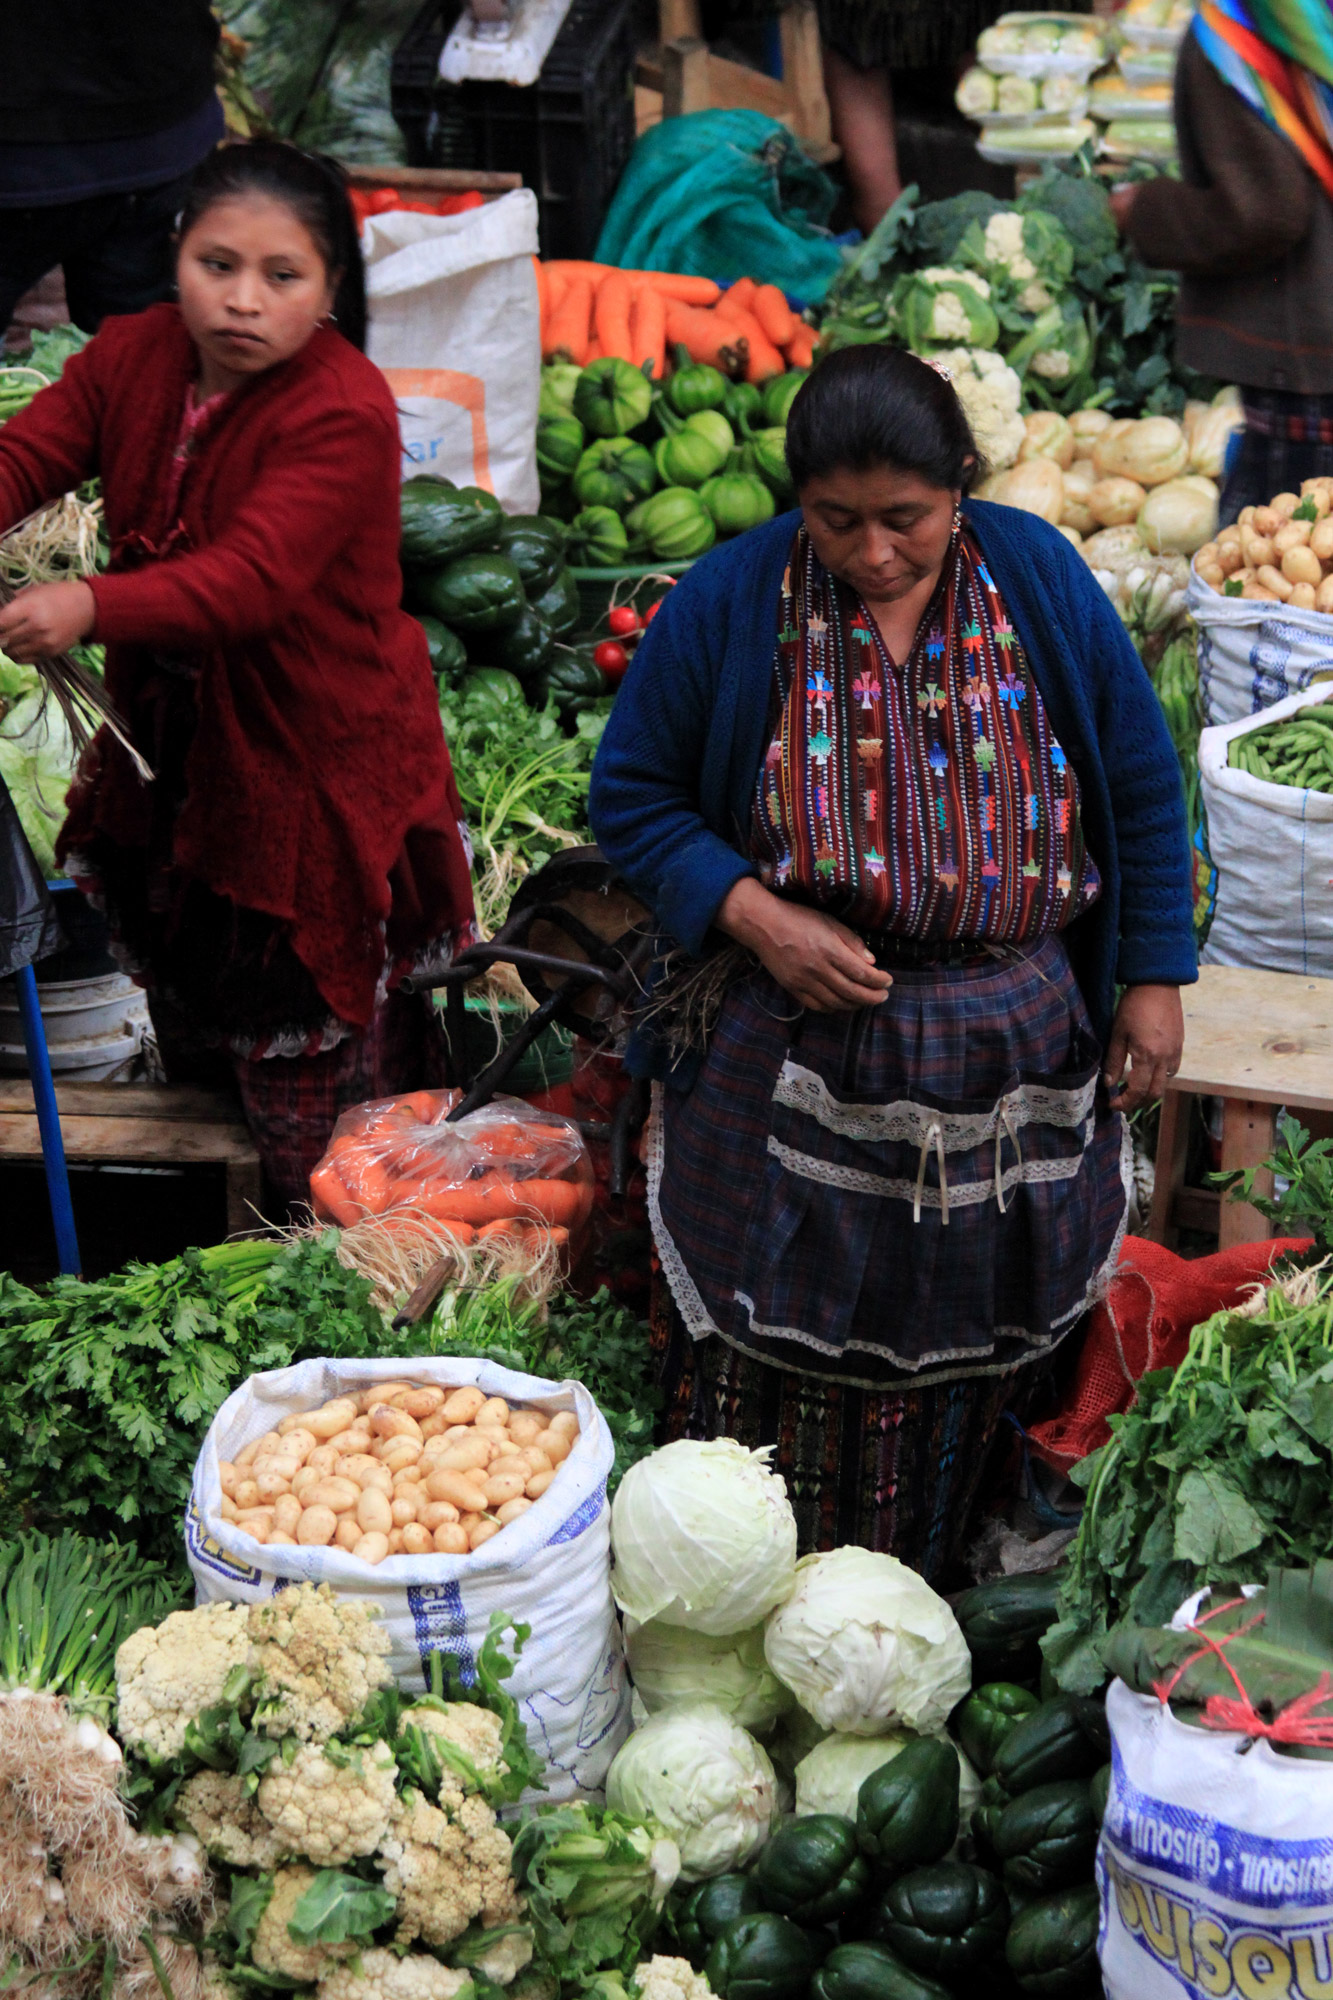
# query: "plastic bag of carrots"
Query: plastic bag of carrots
{"points": [[592, 311], [504, 1169]]}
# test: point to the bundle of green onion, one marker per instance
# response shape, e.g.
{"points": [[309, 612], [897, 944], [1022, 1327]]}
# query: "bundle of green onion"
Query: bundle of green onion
{"points": [[66, 1603]]}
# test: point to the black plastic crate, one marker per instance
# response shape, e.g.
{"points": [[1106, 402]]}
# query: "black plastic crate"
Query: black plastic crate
{"points": [[569, 134]]}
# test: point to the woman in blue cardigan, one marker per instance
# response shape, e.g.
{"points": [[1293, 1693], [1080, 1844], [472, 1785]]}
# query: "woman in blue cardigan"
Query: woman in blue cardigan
{"points": [[893, 780]]}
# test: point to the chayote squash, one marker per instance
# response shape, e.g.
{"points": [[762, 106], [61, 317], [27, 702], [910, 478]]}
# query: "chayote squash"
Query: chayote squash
{"points": [[522, 646], [1003, 1622], [448, 654], [1046, 1839], [560, 604], [988, 1717], [709, 1907], [1052, 1944], [475, 594], [907, 1811], [761, 1957], [871, 1972], [1064, 1738], [441, 521], [948, 1920], [535, 544], [812, 1870]]}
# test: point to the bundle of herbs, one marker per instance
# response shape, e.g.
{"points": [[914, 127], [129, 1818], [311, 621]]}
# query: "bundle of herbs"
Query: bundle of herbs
{"points": [[1221, 1470]]}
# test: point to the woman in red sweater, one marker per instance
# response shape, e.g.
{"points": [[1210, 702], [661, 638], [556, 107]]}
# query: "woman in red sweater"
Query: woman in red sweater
{"points": [[301, 847]]}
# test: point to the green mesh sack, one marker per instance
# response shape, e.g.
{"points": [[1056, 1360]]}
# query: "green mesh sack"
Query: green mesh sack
{"points": [[724, 195]]}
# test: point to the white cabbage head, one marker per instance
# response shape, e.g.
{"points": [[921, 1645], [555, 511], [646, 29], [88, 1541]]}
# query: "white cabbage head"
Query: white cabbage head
{"points": [[672, 1667], [703, 1536], [704, 1780]]}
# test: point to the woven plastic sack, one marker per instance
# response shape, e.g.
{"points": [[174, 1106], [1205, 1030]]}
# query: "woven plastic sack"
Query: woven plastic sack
{"points": [[1154, 1301], [550, 1569], [503, 1164], [1215, 1864], [1252, 655], [724, 195]]}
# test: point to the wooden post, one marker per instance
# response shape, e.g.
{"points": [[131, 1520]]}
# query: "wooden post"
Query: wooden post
{"points": [[803, 75], [679, 20], [1173, 1133], [1248, 1131], [684, 76]]}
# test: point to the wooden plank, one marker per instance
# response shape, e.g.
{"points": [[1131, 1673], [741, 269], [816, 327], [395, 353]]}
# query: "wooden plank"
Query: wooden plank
{"points": [[677, 18], [245, 1192], [735, 87], [1197, 1208], [686, 77], [1248, 1131], [1173, 1133], [166, 1141], [433, 180], [803, 76], [1263, 1036], [128, 1100]]}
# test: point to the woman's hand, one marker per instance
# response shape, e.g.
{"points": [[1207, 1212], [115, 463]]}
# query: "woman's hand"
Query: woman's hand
{"points": [[821, 963], [1148, 1032], [45, 619], [1122, 201]]}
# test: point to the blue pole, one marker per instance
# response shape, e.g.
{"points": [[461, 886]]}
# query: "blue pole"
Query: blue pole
{"points": [[48, 1121]]}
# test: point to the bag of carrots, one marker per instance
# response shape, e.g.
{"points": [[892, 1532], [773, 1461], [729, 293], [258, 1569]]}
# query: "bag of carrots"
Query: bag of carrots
{"points": [[504, 1169]]}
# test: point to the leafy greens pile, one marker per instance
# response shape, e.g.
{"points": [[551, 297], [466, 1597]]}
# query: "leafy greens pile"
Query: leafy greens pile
{"points": [[1079, 317], [1222, 1469]]}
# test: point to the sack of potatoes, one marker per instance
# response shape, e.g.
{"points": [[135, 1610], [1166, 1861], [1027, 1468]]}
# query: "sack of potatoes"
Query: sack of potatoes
{"points": [[1281, 553]]}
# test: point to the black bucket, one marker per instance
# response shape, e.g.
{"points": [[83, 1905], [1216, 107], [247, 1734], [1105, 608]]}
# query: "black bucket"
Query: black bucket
{"points": [[87, 952]]}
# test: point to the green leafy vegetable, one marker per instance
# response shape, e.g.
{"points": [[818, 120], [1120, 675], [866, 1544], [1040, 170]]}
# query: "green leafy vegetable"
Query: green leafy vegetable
{"points": [[1302, 1168], [595, 1883], [338, 1908], [65, 1606]]}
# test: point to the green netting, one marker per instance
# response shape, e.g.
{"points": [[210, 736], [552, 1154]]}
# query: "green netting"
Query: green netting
{"points": [[725, 195]]}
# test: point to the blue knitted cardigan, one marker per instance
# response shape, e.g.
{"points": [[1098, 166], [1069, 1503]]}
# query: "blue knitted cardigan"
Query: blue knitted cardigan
{"points": [[673, 782]]}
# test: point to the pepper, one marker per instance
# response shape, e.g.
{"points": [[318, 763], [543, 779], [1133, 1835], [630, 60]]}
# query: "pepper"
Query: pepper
{"points": [[612, 397], [675, 525], [907, 1810], [707, 1910], [948, 1920], [811, 1869], [695, 386], [761, 1957], [989, 1717], [614, 472]]}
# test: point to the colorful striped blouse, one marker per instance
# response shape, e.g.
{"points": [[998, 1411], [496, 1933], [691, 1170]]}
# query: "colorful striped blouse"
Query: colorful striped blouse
{"points": [[929, 799]]}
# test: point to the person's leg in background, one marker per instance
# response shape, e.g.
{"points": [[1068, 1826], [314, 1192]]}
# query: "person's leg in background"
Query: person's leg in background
{"points": [[124, 260], [33, 241], [861, 104]]}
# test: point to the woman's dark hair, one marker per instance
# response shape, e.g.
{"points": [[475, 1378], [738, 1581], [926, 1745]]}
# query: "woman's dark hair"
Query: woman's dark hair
{"points": [[871, 406], [313, 188]]}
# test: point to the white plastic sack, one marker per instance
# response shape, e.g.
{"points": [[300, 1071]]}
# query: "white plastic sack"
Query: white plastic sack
{"points": [[1272, 846], [1252, 655], [455, 326], [550, 1569], [1215, 1864]]}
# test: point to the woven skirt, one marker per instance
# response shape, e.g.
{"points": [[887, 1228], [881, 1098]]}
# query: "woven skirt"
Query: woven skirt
{"points": [[911, 1194]]}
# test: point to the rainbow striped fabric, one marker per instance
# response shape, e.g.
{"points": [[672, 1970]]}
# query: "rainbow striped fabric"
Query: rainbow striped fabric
{"points": [[1279, 55]]}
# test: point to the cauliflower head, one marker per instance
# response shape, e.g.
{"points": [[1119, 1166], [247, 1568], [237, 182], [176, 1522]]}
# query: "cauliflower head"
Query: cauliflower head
{"points": [[1035, 297], [167, 1673], [216, 1807], [321, 1660], [382, 1975], [990, 393], [445, 1867], [1053, 364], [1004, 246], [662, 1978], [476, 1731], [330, 1812], [274, 1949]]}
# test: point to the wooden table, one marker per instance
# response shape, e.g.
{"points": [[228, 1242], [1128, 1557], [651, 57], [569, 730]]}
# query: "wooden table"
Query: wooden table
{"points": [[141, 1124], [1257, 1040], [686, 76]]}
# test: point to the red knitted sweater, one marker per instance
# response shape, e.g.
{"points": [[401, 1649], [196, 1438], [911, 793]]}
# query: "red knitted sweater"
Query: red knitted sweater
{"points": [[319, 784]]}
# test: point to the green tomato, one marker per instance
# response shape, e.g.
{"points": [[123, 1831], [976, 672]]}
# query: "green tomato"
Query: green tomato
{"points": [[560, 445], [559, 381], [612, 397], [675, 524], [687, 459], [778, 395], [714, 426], [614, 472], [770, 459], [597, 540], [742, 404], [695, 386], [738, 501]]}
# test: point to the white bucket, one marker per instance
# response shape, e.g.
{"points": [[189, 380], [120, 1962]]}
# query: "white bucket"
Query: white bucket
{"points": [[94, 1027]]}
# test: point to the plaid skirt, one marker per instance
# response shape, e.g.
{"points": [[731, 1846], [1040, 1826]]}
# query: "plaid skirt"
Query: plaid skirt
{"points": [[1287, 438], [907, 1195]]}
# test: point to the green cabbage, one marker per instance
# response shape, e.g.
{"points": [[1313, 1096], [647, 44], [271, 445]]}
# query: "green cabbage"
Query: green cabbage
{"points": [[707, 1784], [703, 1536], [671, 1667], [37, 758]]}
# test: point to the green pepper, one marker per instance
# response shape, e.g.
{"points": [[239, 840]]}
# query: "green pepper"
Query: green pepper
{"points": [[737, 501], [761, 1957], [559, 381], [770, 461], [695, 386], [476, 593], [614, 472], [597, 540], [812, 1870], [561, 442], [522, 646], [687, 458], [907, 1810], [448, 654], [674, 524], [1046, 1839], [440, 521], [709, 1907], [988, 1717], [948, 1920], [612, 397], [560, 603], [871, 1972], [1051, 1948], [778, 394], [742, 404], [574, 681], [536, 544]]}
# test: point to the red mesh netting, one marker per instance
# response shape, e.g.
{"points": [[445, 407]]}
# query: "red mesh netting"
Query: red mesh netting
{"points": [[1154, 1301]]}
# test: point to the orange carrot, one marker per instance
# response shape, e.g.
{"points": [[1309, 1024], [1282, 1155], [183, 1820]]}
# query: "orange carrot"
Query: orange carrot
{"points": [[580, 267], [740, 294], [424, 1105], [676, 285], [648, 330], [774, 315], [567, 331], [800, 349], [594, 351], [611, 316], [762, 358], [703, 334], [330, 1198]]}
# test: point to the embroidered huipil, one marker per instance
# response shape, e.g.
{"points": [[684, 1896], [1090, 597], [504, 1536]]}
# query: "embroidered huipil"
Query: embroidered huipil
{"points": [[931, 798]]}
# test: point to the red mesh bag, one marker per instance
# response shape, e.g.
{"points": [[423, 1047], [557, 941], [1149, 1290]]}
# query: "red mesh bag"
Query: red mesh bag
{"points": [[1155, 1300]]}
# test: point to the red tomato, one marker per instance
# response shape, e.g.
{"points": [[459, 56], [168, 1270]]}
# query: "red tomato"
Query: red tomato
{"points": [[612, 658], [652, 612], [623, 619]]}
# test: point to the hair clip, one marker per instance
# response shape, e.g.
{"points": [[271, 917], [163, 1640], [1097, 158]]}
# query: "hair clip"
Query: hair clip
{"points": [[941, 370]]}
